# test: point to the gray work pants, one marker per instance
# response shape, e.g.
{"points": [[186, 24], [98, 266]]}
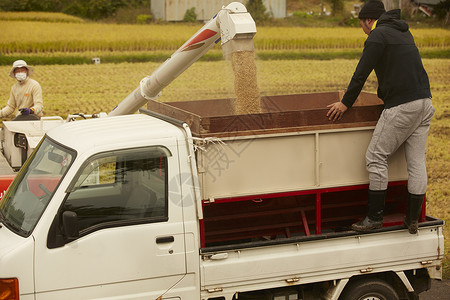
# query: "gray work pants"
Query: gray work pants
{"points": [[406, 124]]}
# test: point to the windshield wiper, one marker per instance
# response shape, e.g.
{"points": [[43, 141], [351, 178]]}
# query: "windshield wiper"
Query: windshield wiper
{"points": [[14, 227], [11, 225]]}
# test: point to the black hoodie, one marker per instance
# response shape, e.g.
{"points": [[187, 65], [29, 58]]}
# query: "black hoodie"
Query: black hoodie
{"points": [[391, 51]]}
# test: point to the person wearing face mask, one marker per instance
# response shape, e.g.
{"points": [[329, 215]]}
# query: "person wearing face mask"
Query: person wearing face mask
{"points": [[26, 94], [404, 87]]}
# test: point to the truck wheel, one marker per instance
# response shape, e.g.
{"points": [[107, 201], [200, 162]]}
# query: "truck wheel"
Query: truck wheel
{"points": [[371, 289]]}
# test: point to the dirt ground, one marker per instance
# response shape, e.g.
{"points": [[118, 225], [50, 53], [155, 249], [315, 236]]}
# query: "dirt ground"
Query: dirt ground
{"points": [[440, 290]]}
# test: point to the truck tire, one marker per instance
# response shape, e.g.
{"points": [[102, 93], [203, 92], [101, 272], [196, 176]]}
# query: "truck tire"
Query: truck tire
{"points": [[370, 289]]}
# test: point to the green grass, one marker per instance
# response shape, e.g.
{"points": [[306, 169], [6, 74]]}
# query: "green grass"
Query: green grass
{"points": [[51, 17], [62, 58]]}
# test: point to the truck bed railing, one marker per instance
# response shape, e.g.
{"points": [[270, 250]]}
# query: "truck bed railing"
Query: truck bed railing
{"points": [[168, 119], [428, 222], [306, 213]]}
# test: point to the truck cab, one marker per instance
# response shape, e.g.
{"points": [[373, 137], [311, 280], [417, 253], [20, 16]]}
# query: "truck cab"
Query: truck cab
{"points": [[107, 205]]}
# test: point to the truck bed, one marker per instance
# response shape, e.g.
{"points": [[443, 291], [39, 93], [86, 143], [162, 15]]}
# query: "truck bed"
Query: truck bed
{"points": [[286, 173]]}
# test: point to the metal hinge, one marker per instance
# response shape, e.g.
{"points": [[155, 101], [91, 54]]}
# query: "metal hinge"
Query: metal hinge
{"points": [[209, 201], [217, 256], [366, 270], [292, 280], [214, 290]]}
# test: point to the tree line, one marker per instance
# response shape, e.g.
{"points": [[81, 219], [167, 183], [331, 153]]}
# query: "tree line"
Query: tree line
{"points": [[88, 9]]}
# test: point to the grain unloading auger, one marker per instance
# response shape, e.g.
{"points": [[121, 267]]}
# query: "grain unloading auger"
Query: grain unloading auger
{"points": [[232, 25]]}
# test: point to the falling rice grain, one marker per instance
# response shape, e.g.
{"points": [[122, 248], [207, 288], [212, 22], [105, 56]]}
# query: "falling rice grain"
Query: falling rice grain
{"points": [[248, 99]]}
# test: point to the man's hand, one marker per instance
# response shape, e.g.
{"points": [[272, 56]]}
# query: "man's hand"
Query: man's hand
{"points": [[336, 111], [26, 111]]}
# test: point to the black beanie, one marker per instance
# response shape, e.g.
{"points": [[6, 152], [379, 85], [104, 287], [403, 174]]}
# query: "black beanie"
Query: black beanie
{"points": [[373, 9]]}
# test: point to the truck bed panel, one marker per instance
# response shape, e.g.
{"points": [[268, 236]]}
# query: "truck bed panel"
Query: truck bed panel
{"points": [[283, 113]]}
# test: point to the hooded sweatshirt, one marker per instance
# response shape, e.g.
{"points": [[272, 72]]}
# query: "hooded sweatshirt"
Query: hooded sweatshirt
{"points": [[391, 51], [27, 93]]}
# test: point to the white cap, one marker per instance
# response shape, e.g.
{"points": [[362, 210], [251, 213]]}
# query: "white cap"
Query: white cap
{"points": [[19, 64]]}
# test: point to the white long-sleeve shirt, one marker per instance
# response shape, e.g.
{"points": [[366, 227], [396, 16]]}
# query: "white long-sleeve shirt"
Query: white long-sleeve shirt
{"points": [[27, 93]]}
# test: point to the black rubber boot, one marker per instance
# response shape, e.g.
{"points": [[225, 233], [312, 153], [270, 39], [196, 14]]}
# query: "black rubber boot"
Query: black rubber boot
{"points": [[374, 218], [413, 212]]}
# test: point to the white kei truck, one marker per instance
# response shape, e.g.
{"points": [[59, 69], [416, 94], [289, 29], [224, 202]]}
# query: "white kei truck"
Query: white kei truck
{"points": [[187, 200], [241, 207]]}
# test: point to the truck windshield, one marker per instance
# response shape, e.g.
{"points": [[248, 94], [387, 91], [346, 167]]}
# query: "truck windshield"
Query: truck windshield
{"points": [[33, 187]]}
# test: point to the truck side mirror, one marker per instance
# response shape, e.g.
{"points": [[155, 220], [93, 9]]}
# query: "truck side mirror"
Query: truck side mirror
{"points": [[70, 225]]}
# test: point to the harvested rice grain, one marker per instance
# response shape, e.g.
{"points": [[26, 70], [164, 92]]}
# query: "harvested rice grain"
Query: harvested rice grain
{"points": [[248, 100]]}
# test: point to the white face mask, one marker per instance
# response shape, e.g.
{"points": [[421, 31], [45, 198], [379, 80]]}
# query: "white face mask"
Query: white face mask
{"points": [[21, 76]]}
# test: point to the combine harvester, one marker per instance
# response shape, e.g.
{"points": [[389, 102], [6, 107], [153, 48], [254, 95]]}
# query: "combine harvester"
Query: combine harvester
{"points": [[187, 200]]}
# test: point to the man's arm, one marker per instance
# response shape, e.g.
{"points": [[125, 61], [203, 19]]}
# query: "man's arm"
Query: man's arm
{"points": [[371, 54], [38, 103], [10, 106]]}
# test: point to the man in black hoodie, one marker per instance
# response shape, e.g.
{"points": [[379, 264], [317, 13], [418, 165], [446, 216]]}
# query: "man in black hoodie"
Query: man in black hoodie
{"points": [[404, 87]]}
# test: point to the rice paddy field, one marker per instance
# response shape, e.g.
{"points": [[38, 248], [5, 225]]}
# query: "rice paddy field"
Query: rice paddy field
{"points": [[71, 35], [38, 37], [92, 88]]}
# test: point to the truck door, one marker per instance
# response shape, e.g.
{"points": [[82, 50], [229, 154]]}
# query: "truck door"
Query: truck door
{"points": [[118, 233]]}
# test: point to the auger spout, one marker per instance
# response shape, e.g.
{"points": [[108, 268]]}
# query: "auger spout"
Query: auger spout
{"points": [[232, 25]]}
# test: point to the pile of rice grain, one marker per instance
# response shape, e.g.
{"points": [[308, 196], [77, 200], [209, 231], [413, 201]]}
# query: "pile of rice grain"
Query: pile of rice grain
{"points": [[248, 99]]}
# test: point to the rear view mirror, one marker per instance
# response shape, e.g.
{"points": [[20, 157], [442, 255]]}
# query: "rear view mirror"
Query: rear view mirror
{"points": [[70, 225]]}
